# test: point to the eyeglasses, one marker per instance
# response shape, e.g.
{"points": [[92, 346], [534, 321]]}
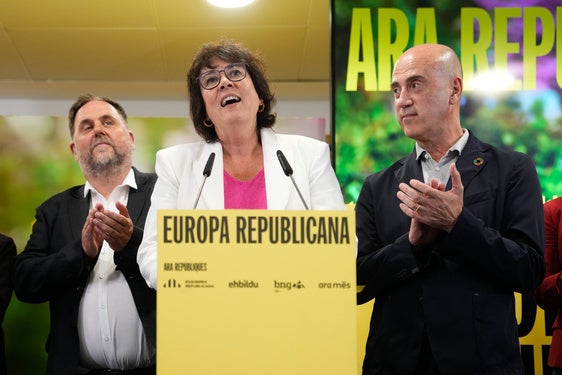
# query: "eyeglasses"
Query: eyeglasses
{"points": [[234, 72]]}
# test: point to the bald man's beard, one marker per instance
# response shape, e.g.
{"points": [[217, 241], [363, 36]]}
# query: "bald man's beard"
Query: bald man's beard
{"points": [[106, 164]]}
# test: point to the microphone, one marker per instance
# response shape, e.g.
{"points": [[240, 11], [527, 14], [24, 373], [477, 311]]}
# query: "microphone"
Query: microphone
{"points": [[289, 172], [206, 173]]}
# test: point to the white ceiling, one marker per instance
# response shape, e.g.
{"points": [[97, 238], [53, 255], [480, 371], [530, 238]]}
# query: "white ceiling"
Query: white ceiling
{"points": [[141, 49]]}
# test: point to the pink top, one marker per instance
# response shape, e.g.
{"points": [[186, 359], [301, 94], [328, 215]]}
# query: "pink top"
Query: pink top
{"points": [[245, 194]]}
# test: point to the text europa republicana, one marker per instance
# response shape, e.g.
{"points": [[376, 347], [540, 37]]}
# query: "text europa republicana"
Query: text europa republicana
{"points": [[183, 229]]}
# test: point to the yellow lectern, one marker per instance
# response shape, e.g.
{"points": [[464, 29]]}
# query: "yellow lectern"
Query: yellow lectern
{"points": [[256, 292]]}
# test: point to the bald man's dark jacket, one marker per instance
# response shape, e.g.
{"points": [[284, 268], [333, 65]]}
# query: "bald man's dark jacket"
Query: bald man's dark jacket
{"points": [[460, 290], [52, 268]]}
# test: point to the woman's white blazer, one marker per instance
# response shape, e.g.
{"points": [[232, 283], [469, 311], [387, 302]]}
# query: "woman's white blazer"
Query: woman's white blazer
{"points": [[180, 177]]}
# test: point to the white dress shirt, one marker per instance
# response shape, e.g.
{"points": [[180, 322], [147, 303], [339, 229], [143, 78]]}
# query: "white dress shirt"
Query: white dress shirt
{"points": [[109, 328]]}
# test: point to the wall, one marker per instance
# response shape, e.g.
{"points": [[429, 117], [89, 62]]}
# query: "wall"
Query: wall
{"points": [[144, 108]]}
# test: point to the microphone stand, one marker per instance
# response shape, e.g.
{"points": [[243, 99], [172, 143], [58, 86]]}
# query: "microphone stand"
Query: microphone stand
{"points": [[206, 173]]}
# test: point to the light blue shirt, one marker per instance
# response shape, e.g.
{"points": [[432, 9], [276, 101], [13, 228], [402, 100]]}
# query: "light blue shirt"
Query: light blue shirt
{"points": [[440, 169]]}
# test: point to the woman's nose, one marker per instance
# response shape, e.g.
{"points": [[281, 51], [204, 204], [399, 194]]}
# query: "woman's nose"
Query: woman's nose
{"points": [[224, 82]]}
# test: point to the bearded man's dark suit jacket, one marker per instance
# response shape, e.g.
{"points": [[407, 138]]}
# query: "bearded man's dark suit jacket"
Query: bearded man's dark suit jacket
{"points": [[52, 268], [461, 289]]}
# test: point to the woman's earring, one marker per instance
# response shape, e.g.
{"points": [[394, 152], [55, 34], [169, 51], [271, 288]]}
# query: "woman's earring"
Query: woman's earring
{"points": [[208, 123], [261, 107]]}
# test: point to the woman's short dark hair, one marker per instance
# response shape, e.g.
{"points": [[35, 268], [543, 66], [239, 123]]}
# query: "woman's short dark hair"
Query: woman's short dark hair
{"points": [[231, 52], [86, 98]]}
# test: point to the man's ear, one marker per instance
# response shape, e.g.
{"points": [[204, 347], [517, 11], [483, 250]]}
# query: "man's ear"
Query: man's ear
{"points": [[456, 89], [73, 148]]}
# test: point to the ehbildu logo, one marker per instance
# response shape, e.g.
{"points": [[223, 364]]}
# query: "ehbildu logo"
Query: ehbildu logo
{"points": [[243, 284]]}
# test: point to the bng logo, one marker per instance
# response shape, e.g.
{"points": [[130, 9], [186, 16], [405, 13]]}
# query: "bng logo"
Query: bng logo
{"points": [[287, 285]]}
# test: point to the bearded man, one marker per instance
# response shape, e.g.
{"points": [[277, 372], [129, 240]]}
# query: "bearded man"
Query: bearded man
{"points": [[81, 255]]}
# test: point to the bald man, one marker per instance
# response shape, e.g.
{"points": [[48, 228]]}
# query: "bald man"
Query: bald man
{"points": [[446, 235]]}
